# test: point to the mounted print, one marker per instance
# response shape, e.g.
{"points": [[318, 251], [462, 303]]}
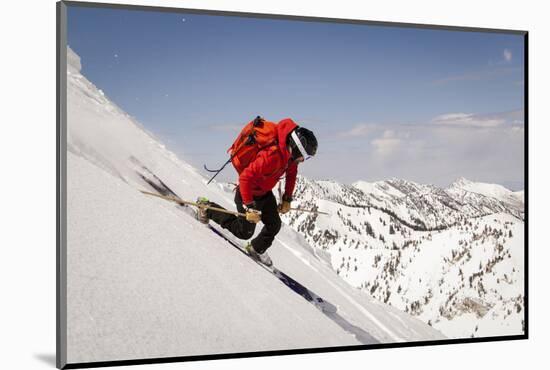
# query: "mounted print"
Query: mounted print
{"points": [[240, 185]]}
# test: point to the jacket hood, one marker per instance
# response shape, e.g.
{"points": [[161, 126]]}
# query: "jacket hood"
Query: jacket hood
{"points": [[284, 128]]}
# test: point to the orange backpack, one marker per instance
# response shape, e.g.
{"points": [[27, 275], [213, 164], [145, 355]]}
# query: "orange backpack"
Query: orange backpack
{"points": [[255, 136]]}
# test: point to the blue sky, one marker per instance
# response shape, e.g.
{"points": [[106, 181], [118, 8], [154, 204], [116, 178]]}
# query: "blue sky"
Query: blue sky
{"points": [[424, 105]]}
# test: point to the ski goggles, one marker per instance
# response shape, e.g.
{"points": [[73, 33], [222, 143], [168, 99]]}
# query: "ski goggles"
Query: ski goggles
{"points": [[300, 146]]}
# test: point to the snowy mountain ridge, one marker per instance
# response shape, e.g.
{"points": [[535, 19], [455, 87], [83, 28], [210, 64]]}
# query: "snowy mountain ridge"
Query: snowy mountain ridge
{"points": [[453, 257], [513, 199]]}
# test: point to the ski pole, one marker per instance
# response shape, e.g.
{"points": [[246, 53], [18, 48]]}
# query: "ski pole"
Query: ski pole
{"points": [[297, 209], [222, 210], [217, 171], [310, 211], [181, 201]]}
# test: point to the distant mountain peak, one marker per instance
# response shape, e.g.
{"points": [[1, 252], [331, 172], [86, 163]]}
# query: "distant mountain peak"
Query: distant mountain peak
{"points": [[487, 189], [461, 182]]}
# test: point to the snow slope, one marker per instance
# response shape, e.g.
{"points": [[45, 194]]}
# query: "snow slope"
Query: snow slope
{"points": [[146, 280]]}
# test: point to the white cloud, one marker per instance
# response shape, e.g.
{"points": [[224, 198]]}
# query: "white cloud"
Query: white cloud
{"points": [[486, 146], [387, 144], [358, 130], [479, 75], [507, 54], [460, 144], [518, 129], [467, 119]]}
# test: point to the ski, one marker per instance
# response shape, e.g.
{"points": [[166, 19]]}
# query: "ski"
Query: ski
{"points": [[308, 295]]}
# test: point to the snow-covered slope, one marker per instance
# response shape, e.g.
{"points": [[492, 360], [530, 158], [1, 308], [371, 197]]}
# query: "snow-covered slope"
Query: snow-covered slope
{"points": [[453, 257], [145, 279]]}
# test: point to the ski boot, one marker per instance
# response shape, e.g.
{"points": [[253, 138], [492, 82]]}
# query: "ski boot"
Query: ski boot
{"points": [[202, 214], [262, 258]]}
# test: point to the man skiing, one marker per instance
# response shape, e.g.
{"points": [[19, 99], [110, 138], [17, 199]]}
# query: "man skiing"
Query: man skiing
{"points": [[254, 196]]}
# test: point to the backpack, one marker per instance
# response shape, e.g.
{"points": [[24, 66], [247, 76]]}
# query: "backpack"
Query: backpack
{"points": [[258, 134]]}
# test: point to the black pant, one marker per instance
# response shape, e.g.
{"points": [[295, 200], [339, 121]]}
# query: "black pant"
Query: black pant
{"points": [[243, 229]]}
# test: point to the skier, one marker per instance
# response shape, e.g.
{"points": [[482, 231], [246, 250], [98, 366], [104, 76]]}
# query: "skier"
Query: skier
{"points": [[254, 196]]}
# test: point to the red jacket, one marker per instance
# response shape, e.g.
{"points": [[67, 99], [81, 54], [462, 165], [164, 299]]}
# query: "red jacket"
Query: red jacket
{"points": [[263, 173]]}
